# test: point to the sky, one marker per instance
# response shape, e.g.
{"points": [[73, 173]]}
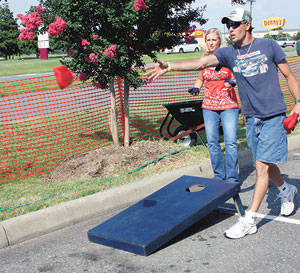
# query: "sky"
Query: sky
{"points": [[216, 9]]}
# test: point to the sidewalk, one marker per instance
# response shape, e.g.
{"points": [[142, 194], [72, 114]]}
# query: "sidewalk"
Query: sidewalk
{"points": [[31, 225]]}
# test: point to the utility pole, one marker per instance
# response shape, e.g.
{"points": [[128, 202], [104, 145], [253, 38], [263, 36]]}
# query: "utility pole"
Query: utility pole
{"points": [[251, 1]]}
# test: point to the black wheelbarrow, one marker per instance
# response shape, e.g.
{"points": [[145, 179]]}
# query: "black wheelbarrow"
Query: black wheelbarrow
{"points": [[190, 116]]}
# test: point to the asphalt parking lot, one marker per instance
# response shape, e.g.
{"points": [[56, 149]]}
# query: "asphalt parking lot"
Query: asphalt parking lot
{"points": [[200, 248]]}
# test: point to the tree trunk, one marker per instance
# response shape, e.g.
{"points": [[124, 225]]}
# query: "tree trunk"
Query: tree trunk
{"points": [[113, 114], [126, 110]]}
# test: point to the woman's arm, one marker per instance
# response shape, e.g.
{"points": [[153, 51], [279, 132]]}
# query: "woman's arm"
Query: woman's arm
{"points": [[199, 82], [197, 85]]}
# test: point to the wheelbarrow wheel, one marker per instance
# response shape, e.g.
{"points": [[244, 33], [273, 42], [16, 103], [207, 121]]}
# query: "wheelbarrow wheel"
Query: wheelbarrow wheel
{"points": [[187, 140]]}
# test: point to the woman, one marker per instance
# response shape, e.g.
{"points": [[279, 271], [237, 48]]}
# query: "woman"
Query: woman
{"points": [[219, 104]]}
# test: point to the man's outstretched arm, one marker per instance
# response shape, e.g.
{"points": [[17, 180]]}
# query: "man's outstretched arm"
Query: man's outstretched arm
{"points": [[161, 67]]}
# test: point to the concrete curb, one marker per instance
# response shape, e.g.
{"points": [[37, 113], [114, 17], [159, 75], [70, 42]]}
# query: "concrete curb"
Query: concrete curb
{"points": [[34, 224]]}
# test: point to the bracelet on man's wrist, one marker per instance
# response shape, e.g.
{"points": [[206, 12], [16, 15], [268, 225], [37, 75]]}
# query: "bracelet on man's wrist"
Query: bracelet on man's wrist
{"points": [[296, 101], [169, 67]]}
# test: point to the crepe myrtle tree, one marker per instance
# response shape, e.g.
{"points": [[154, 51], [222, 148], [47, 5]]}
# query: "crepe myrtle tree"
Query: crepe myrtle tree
{"points": [[108, 38]]}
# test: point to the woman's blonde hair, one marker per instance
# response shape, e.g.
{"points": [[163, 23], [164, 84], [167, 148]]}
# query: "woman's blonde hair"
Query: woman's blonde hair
{"points": [[216, 31]]}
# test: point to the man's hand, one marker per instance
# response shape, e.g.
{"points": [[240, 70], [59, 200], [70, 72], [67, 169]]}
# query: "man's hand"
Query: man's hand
{"points": [[290, 122], [296, 109], [156, 70]]}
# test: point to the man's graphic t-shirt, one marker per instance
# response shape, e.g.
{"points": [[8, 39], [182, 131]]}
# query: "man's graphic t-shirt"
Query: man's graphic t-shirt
{"points": [[256, 73]]}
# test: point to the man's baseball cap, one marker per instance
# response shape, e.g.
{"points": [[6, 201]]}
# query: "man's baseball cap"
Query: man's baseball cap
{"points": [[237, 15]]}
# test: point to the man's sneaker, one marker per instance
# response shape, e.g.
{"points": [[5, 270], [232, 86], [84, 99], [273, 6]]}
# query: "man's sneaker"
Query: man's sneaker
{"points": [[241, 228], [287, 201]]}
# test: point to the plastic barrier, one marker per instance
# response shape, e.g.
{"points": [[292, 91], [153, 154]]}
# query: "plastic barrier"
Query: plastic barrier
{"points": [[41, 125]]}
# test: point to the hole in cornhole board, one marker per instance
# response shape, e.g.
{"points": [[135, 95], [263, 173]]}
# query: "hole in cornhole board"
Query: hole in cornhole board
{"points": [[195, 188]]}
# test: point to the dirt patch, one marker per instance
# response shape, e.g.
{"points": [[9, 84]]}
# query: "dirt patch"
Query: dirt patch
{"points": [[113, 160]]}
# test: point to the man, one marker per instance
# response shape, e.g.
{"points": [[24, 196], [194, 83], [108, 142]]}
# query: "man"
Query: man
{"points": [[255, 64]]}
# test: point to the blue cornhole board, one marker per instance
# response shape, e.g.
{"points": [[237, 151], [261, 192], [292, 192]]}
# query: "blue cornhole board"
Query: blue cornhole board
{"points": [[150, 223]]}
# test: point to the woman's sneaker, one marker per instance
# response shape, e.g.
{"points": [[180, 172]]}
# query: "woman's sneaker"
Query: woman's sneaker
{"points": [[245, 225], [287, 200]]}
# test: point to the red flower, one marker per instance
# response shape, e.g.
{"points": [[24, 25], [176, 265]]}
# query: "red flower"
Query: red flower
{"points": [[85, 42], [63, 75], [93, 57], [82, 77], [70, 52], [31, 21], [39, 9], [56, 28], [96, 84], [110, 52], [26, 34], [139, 5], [87, 59]]}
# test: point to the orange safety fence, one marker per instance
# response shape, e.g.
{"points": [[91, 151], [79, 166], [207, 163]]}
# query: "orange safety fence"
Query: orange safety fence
{"points": [[42, 125]]}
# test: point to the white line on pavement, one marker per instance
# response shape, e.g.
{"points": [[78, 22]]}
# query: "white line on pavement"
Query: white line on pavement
{"points": [[279, 218], [263, 216]]}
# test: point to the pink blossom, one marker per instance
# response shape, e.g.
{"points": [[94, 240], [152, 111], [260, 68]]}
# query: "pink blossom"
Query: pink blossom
{"points": [[139, 5], [93, 57], [31, 21], [110, 52], [82, 77], [70, 52], [39, 9], [26, 34], [95, 36], [56, 28], [96, 84], [87, 59], [85, 42], [20, 16]]}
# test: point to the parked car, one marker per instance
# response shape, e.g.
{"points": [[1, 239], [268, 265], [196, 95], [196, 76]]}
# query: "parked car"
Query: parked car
{"points": [[286, 41], [194, 46]]}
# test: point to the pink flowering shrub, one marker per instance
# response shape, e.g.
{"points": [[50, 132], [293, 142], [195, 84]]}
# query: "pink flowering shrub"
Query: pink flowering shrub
{"points": [[93, 58], [26, 34], [139, 5], [56, 28], [39, 9], [85, 42], [33, 21], [70, 52], [110, 52], [82, 77], [96, 84]]}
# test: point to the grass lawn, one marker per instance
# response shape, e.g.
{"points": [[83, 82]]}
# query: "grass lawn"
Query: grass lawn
{"points": [[22, 66], [29, 64]]}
